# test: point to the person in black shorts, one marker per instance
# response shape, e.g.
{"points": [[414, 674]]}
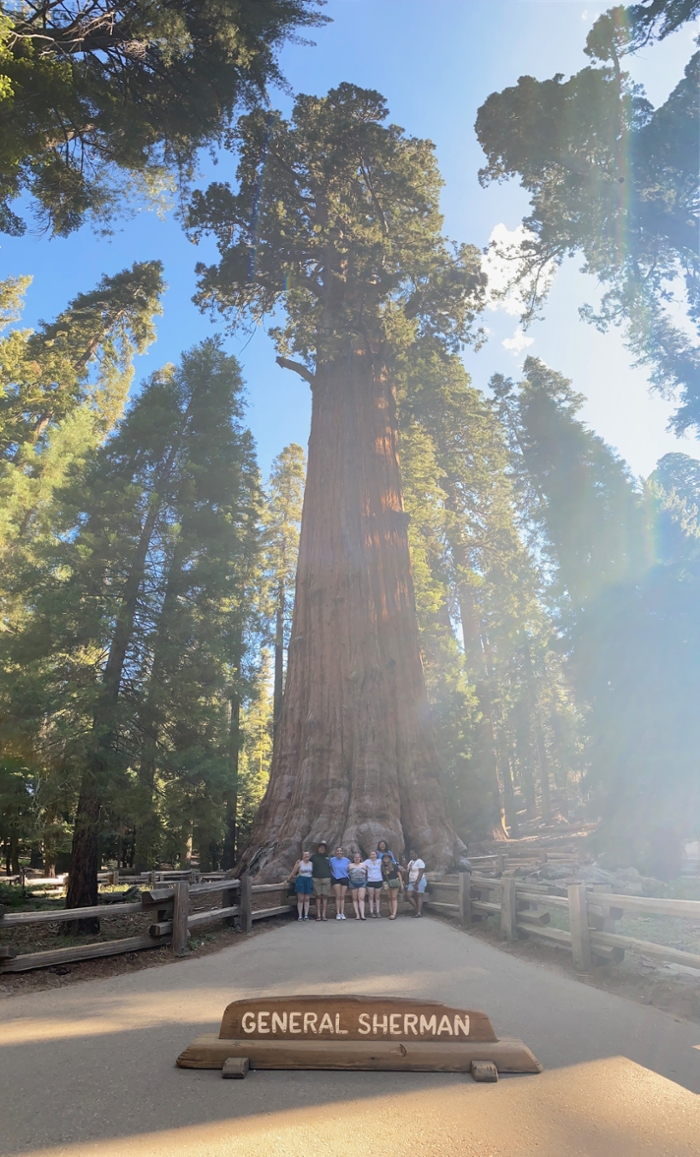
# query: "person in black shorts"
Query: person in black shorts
{"points": [[374, 884], [339, 881]]}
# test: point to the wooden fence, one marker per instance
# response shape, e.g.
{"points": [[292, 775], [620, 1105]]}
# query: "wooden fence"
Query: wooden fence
{"points": [[169, 907], [592, 914], [521, 908]]}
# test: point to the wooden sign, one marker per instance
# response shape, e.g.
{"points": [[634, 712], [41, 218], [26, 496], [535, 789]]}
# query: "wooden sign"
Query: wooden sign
{"points": [[357, 1032], [352, 1018]]}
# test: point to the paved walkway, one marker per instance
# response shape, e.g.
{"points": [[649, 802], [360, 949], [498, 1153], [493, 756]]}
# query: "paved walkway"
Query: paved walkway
{"points": [[88, 1070]]}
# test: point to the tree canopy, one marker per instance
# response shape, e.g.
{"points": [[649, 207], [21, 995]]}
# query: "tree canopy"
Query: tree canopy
{"points": [[336, 216], [616, 180], [91, 92]]}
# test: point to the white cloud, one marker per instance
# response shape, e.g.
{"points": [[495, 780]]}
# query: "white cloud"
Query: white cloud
{"points": [[502, 264], [518, 342]]}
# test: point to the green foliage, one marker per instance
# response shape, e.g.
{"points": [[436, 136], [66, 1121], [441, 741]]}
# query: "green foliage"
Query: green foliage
{"points": [[93, 96], [123, 663], [616, 180], [336, 217], [285, 497], [574, 489], [623, 571], [474, 576]]}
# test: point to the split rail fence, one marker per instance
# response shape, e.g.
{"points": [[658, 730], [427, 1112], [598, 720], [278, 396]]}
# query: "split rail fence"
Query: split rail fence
{"points": [[592, 914], [521, 908], [170, 908]]}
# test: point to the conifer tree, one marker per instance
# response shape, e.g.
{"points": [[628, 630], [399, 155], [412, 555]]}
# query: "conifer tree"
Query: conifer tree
{"points": [[336, 218], [125, 658], [96, 96], [616, 180]]}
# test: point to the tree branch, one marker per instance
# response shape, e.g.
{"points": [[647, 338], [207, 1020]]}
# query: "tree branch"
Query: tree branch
{"points": [[298, 368]]}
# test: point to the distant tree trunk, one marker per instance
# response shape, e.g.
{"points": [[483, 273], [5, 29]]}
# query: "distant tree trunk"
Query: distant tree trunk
{"points": [[148, 827], [228, 859], [542, 757], [279, 658], [509, 794], [471, 635], [355, 758], [84, 862]]}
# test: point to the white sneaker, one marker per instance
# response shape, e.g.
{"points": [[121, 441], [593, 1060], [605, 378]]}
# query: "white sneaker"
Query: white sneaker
{"points": [[338, 916], [342, 916]]}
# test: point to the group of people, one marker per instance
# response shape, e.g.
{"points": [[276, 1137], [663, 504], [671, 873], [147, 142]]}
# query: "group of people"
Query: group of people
{"points": [[317, 874]]}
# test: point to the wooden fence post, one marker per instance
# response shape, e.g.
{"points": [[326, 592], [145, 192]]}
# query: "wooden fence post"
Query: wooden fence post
{"points": [[181, 911], [508, 908], [578, 924], [228, 898], [465, 899], [246, 903]]}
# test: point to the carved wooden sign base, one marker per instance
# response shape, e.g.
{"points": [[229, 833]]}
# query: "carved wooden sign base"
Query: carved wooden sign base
{"points": [[357, 1032]]}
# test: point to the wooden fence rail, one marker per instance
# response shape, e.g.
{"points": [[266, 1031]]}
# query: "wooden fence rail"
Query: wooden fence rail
{"points": [[522, 908], [172, 923], [593, 915]]}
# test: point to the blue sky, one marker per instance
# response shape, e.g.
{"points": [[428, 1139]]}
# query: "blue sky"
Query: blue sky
{"points": [[435, 61]]}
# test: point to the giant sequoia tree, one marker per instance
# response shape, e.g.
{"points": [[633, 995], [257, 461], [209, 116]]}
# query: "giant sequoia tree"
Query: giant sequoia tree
{"points": [[336, 219]]}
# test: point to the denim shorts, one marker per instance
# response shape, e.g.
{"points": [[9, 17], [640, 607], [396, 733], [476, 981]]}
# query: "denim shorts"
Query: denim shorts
{"points": [[303, 886], [359, 884], [419, 887]]}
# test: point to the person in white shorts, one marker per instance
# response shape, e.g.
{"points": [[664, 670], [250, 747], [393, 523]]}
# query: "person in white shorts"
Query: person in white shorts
{"points": [[417, 883]]}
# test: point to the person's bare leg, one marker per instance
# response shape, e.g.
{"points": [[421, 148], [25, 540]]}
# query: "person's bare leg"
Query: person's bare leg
{"points": [[355, 903], [324, 907], [411, 897], [419, 903], [361, 902], [307, 902], [300, 904], [336, 893], [393, 903]]}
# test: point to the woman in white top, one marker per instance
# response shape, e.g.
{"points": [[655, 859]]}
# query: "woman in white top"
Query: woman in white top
{"points": [[303, 870], [374, 883]]}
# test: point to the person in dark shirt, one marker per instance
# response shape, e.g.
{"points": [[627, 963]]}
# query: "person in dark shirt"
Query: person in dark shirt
{"points": [[321, 879]]}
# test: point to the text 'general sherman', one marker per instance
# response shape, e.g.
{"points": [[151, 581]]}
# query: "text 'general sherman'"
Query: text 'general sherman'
{"points": [[267, 1022]]}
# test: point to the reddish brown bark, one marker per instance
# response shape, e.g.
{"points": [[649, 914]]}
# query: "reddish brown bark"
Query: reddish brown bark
{"points": [[354, 758]]}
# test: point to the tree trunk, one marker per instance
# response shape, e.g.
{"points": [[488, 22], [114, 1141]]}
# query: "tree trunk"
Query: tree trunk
{"points": [[355, 758], [509, 795], [542, 757], [228, 858], [487, 744], [279, 659], [84, 854], [148, 828]]}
